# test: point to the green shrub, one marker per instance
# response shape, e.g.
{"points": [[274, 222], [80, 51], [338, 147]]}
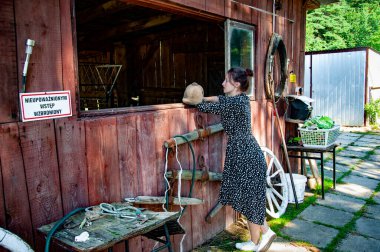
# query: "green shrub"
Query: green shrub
{"points": [[372, 110]]}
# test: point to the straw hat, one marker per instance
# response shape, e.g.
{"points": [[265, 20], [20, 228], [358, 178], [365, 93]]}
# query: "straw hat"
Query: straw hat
{"points": [[193, 94]]}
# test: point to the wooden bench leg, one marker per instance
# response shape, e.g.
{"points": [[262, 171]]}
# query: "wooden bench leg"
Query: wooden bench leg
{"points": [[167, 242], [323, 177], [167, 235], [334, 178]]}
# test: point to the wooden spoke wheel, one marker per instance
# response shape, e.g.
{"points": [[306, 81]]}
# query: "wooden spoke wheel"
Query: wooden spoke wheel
{"points": [[277, 188]]}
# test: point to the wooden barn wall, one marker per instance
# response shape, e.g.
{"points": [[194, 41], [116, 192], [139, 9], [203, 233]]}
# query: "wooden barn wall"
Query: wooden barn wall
{"points": [[8, 64], [51, 167]]}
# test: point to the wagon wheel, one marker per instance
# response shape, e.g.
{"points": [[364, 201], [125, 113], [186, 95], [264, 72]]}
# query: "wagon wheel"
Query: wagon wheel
{"points": [[277, 188]]}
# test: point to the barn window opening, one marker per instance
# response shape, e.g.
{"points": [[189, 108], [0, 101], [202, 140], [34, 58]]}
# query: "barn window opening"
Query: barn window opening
{"points": [[130, 55]]}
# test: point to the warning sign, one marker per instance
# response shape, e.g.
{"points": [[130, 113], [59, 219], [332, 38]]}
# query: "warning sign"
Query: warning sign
{"points": [[45, 105]]}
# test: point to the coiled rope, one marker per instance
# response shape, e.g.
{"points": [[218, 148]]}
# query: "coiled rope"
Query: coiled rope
{"points": [[129, 212]]}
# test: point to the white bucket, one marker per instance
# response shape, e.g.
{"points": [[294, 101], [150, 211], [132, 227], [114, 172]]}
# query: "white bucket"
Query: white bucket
{"points": [[299, 186]]}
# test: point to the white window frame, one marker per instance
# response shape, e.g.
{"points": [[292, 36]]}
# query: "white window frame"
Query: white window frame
{"points": [[229, 26]]}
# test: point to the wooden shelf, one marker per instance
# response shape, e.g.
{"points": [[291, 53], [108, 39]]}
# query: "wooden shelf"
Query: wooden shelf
{"points": [[293, 120]]}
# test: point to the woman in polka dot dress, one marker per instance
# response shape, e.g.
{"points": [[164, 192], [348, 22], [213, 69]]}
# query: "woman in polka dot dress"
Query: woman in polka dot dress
{"points": [[243, 185]]}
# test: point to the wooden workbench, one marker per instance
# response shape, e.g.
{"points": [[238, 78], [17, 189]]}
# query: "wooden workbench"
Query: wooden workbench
{"points": [[321, 150], [110, 230]]}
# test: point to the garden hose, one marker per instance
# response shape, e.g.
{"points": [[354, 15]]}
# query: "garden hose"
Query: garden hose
{"points": [[57, 225]]}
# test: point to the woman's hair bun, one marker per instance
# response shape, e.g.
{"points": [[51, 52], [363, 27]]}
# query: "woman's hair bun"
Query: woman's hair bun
{"points": [[249, 72]]}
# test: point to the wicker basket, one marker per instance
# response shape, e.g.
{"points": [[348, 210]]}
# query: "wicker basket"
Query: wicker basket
{"points": [[320, 137]]}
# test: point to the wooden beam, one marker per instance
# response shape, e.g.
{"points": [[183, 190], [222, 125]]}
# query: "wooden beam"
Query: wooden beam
{"points": [[122, 29], [199, 175], [194, 135], [312, 4], [100, 11], [152, 200], [177, 9]]}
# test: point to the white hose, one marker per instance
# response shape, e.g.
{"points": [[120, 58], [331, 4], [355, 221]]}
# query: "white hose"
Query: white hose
{"points": [[179, 193], [12, 242], [166, 179]]}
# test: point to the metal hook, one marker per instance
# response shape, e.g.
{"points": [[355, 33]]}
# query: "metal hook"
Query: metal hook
{"points": [[200, 121], [201, 162]]}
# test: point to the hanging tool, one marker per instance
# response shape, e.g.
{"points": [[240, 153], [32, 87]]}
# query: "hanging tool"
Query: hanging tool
{"points": [[278, 122], [29, 48]]}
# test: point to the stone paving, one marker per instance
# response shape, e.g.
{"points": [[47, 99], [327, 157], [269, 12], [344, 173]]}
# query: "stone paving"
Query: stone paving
{"points": [[358, 166]]}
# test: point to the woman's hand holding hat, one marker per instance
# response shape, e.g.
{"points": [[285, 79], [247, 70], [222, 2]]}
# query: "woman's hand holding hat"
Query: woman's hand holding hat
{"points": [[193, 94]]}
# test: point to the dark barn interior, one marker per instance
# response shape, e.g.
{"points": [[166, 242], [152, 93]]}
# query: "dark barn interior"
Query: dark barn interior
{"points": [[130, 55]]}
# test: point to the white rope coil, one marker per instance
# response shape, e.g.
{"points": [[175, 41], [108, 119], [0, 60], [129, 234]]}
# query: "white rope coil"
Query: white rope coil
{"points": [[128, 212], [178, 189], [166, 179], [179, 192]]}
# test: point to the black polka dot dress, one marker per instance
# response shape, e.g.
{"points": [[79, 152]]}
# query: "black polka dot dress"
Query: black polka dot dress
{"points": [[243, 184]]}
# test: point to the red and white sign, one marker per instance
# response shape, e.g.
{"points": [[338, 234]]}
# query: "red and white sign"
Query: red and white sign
{"points": [[45, 105]]}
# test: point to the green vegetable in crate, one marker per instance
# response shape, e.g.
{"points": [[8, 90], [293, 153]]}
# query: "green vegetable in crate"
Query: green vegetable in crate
{"points": [[325, 122], [319, 122]]}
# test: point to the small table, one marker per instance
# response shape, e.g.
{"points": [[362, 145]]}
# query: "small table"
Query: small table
{"points": [[319, 150], [107, 231]]}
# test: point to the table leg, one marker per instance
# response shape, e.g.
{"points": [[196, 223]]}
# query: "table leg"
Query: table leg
{"points": [[323, 177], [334, 178], [167, 243], [126, 244], [302, 171], [167, 236]]}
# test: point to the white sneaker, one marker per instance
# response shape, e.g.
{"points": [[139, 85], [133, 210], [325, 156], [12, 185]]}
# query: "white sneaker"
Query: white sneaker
{"points": [[247, 246], [266, 240]]}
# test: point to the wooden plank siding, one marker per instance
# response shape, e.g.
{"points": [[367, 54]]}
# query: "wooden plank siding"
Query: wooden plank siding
{"points": [[48, 168], [215, 6], [14, 186], [215, 162], [180, 126], [38, 144], [102, 159], [201, 189], [146, 164], [8, 64], [71, 140], [239, 10], [43, 26], [69, 70], [127, 141]]}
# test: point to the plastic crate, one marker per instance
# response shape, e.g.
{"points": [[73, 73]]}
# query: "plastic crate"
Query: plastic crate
{"points": [[320, 137]]}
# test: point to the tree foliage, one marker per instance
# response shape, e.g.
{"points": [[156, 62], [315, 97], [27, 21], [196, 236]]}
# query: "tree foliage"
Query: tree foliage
{"points": [[347, 24]]}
